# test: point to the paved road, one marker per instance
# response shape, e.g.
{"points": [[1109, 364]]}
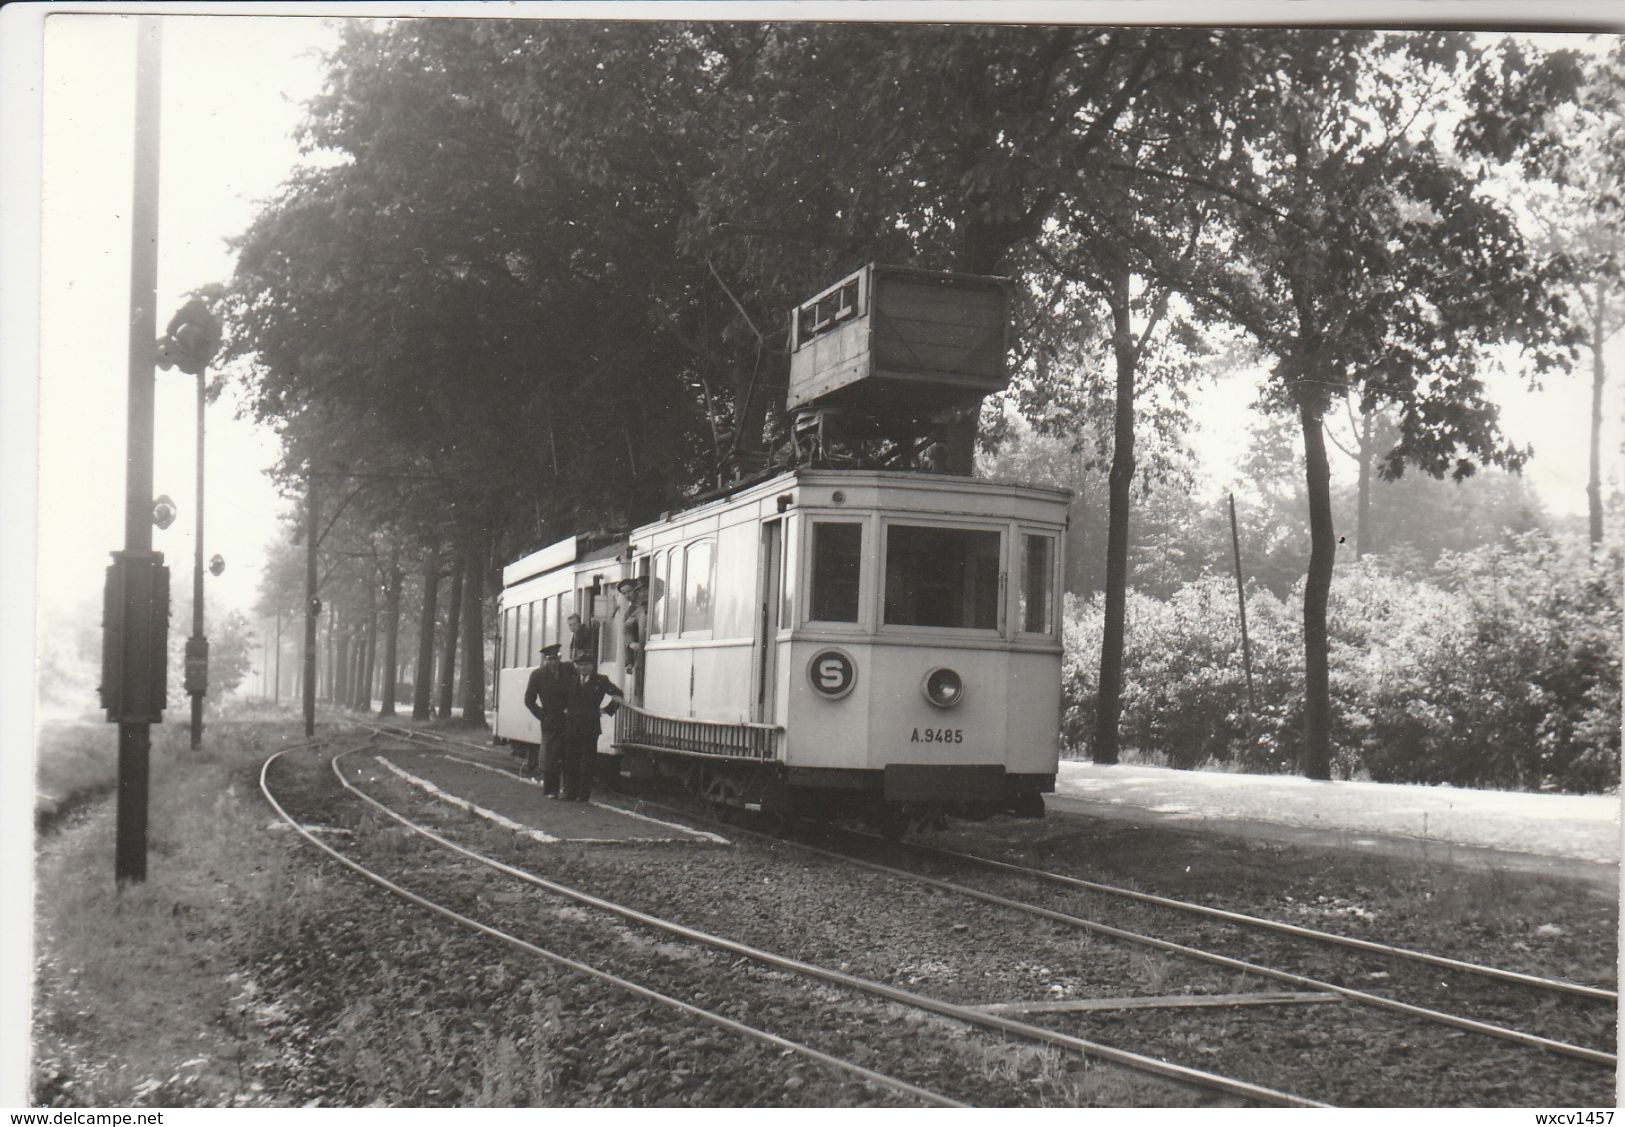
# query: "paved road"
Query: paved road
{"points": [[1562, 834]]}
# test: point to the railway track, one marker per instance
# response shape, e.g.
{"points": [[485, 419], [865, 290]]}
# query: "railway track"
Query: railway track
{"points": [[1207, 911], [868, 1075], [1568, 991], [766, 1037], [878, 991]]}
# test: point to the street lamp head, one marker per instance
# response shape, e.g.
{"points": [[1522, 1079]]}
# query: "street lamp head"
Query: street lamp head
{"points": [[191, 340], [163, 511], [217, 564]]}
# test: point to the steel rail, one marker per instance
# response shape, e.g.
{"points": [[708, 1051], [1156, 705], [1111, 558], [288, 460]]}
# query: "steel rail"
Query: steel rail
{"points": [[1558, 985], [962, 1014], [1535, 981], [1471, 1025], [1581, 1052], [771, 1039], [1533, 1040]]}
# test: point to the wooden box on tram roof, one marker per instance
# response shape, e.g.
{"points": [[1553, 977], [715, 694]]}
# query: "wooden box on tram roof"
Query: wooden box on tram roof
{"points": [[893, 340]]}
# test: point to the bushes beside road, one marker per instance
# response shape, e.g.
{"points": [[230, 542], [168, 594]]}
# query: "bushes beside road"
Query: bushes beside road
{"points": [[1498, 667]]}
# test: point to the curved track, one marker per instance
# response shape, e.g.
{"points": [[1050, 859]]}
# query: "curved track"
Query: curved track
{"points": [[775, 1041], [966, 1015], [1560, 987]]}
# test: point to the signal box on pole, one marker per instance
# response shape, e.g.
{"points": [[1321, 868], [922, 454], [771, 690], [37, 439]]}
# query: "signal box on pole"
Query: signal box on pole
{"points": [[135, 637], [894, 342]]}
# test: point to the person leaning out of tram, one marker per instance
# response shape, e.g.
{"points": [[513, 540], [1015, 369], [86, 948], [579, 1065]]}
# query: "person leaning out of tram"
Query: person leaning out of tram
{"points": [[633, 599], [546, 694], [583, 701], [583, 639]]}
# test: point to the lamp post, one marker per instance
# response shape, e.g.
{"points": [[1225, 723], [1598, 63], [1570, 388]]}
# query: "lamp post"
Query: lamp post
{"points": [[197, 646], [188, 344]]}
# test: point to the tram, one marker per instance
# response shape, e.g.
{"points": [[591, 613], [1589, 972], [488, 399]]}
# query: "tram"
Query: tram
{"points": [[829, 638]]}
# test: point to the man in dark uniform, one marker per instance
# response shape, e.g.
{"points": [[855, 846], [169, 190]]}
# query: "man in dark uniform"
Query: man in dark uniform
{"points": [[545, 697], [584, 697]]}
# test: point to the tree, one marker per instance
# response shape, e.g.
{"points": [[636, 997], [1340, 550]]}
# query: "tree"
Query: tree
{"points": [[413, 310], [1373, 263], [1582, 215]]}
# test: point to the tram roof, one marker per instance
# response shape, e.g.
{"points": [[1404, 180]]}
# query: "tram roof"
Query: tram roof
{"points": [[580, 548], [884, 479]]}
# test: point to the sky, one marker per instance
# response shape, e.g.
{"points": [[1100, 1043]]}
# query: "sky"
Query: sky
{"points": [[233, 91]]}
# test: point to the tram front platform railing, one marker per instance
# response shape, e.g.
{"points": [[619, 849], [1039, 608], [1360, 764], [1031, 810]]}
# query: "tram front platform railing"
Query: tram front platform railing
{"points": [[638, 728]]}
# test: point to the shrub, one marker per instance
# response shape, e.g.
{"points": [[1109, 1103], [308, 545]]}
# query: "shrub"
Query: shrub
{"points": [[1501, 668]]}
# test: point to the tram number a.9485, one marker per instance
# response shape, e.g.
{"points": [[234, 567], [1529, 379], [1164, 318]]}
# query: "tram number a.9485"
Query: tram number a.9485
{"points": [[937, 736]]}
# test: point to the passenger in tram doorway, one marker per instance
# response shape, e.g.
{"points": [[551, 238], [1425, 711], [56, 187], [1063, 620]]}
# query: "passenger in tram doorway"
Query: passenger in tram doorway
{"points": [[583, 639], [546, 694], [632, 627], [581, 711]]}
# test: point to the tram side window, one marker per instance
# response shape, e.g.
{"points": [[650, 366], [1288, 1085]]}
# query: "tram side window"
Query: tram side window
{"points": [[836, 567], [509, 637], [1038, 584], [942, 577], [697, 587]]}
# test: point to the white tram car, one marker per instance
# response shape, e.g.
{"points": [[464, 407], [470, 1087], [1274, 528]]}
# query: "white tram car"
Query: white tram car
{"points": [[885, 642], [888, 642]]}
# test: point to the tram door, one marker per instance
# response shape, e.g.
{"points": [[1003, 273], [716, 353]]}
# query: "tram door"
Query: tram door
{"points": [[634, 691], [767, 621]]}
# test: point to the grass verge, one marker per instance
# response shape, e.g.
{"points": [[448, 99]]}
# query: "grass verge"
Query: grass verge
{"points": [[110, 1026]]}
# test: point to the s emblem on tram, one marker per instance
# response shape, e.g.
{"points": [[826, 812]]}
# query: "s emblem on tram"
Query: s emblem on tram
{"points": [[832, 672]]}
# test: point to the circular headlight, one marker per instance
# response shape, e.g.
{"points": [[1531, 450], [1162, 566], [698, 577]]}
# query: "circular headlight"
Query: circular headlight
{"points": [[944, 688]]}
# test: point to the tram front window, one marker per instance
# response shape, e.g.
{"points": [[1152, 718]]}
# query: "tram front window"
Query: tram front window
{"points": [[1037, 595], [942, 577], [836, 558]]}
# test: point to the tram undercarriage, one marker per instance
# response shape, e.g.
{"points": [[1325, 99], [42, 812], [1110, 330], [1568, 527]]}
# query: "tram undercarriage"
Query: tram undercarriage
{"points": [[901, 793]]}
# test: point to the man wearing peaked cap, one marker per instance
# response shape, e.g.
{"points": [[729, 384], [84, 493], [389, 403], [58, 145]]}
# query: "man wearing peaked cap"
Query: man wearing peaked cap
{"points": [[545, 696], [583, 698]]}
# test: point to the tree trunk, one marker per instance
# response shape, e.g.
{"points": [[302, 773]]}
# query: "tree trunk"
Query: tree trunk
{"points": [[1363, 517], [1110, 706], [340, 693], [474, 629], [448, 652], [1077, 541], [1599, 374], [369, 653], [392, 632], [334, 666], [1317, 730], [423, 681], [358, 673]]}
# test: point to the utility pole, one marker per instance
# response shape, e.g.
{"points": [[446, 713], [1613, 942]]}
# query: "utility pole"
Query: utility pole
{"points": [[189, 344], [197, 646], [135, 617]]}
